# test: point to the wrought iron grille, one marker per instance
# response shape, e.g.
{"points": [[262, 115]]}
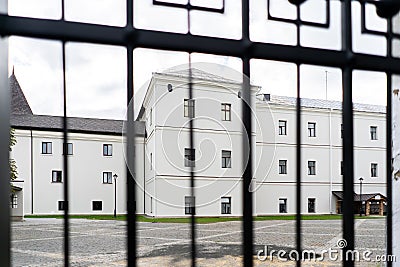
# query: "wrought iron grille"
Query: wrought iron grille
{"points": [[246, 49]]}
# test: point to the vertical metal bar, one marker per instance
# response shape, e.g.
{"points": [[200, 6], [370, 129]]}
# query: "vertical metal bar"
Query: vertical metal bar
{"points": [[298, 169], [191, 145], [192, 182], [129, 13], [389, 222], [248, 172], [65, 164], [348, 156], [5, 234], [298, 149], [130, 136], [247, 140], [389, 202], [131, 163], [65, 158]]}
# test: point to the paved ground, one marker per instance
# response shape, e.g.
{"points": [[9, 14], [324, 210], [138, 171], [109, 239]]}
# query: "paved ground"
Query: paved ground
{"points": [[38, 242]]}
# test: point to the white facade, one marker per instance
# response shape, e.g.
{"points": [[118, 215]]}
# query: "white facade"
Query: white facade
{"points": [[324, 149], [167, 178], [86, 167], [163, 174]]}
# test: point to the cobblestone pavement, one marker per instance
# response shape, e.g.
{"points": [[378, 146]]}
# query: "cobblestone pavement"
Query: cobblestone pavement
{"points": [[38, 242]]}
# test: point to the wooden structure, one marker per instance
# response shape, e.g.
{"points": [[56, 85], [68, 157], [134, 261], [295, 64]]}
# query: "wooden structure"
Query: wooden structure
{"points": [[365, 204]]}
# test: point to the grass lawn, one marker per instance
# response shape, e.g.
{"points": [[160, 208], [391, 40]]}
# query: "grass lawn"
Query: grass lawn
{"points": [[142, 218]]}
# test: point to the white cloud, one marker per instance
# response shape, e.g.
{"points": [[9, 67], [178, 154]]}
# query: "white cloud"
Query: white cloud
{"points": [[96, 75]]}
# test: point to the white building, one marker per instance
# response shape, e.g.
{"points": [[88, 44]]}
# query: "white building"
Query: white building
{"points": [[95, 153], [163, 157]]}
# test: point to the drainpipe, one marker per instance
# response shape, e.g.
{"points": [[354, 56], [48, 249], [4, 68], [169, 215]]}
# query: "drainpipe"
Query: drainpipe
{"points": [[396, 175], [32, 172]]}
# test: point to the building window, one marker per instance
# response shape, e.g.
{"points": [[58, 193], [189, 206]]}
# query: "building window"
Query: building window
{"points": [[151, 161], [341, 168], [374, 132], [226, 159], [151, 116], [225, 205], [56, 176], [282, 127], [13, 201], [107, 150], [311, 129], [226, 111], [341, 130], [311, 167], [47, 147], [311, 205], [68, 149], [107, 177], [190, 157], [97, 205], [151, 204], [282, 205], [374, 169], [189, 205], [62, 205], [188, 108], [282, 166]]}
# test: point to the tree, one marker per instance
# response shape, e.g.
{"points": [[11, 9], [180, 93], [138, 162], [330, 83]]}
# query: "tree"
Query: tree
{"points": [[13, 164]]}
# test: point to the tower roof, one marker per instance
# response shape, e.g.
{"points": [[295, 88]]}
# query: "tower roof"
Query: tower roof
{"points": [[19, 104]]}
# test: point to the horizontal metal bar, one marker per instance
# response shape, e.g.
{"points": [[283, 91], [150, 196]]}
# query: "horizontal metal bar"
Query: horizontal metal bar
{"points": [[99, 34], [189, 6], [299, 21]]}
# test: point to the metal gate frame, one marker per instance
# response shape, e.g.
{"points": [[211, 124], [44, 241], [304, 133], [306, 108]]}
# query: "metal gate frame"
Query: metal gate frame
{"points": [[130, 38]]}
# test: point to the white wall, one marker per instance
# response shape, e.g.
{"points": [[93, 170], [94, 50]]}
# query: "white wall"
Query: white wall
{"points": [[86, 167], [272, 147], [168, 136]]}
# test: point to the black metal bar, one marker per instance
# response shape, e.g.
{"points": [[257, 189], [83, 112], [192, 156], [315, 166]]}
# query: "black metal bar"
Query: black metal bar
{"points": [[5, 234], [65, 158], [298, 21], [298, 168], [129, 13], [192, 165], [131, 164], [247, 196], [189, 6], [348, 156], [387, 34], [389, 152], [65, 164], [298, 150], [81, 32], [192, 182], [130, 136]]}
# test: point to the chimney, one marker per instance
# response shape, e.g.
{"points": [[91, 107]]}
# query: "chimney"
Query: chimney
{"points": [[267, 97]]}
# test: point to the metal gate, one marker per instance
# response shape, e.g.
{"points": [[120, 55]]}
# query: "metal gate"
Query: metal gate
{"points": [[130, 38]]}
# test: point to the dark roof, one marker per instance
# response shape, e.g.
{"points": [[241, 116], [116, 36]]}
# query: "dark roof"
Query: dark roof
{"points": [[23, 118], [356, 197], [19, 104], [324, 104], [84, 125]]}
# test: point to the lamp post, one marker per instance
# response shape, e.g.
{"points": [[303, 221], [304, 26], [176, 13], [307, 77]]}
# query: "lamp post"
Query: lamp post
{"points": [[361, 180], [115, 195]]}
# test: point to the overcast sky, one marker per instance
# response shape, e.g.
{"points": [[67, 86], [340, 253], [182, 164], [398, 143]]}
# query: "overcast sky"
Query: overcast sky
{"points": [[96, 74]]}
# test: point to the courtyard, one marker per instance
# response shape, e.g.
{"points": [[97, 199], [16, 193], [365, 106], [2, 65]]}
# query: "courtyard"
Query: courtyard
{"points": [[38, 242]]}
